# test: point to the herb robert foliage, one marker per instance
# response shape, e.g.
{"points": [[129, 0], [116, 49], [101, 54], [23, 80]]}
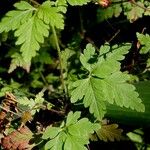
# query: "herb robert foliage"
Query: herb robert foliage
{"points": [[104, 83]]}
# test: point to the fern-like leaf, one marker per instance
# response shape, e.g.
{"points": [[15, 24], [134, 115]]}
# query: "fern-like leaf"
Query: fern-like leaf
{"points": [[15, 18], [106, 83], [51, 15], [30, 34], [73, 135]]}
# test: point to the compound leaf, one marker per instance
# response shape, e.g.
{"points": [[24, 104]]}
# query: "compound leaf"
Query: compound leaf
{"points": [[30, 34], [56, 143], [51, 15], [73, 135], [106, 83], [13, 19]]}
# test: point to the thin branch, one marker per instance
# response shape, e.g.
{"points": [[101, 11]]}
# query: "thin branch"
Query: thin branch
{"points": [[113, 36], [60, 60], [43, 78], [133, 2]]}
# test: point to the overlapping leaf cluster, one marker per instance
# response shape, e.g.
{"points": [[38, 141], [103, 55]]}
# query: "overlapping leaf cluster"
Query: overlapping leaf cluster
{"points": [[105, 82], [74, 134], [133, 10], [144, 41], [30, 25]]}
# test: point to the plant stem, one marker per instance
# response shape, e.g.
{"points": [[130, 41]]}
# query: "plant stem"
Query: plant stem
{"points": [[60, 60]]}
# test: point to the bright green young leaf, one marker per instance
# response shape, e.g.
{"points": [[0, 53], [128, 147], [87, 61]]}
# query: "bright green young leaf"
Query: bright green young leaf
{"points": [[62, 5], [72, 118], [51, 132], [56, 143], [145, 42], [30, 34], [13, 19], [106, 83], [51, 15], [22, 5], [78, 2]]}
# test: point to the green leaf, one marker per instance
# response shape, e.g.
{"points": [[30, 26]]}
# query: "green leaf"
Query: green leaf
{"points": [[78, 2], [72, 135], [56, 143], [92, 97], [111, 63], [132, 118], [13, 19], [18, 61], [87, 56], [72, 118], [111, 11], [106, 83], [51, 15], [133, 12], [51, 132], [145, 42], [78, 133], [110, 132], [30, 34], [23, 6]]}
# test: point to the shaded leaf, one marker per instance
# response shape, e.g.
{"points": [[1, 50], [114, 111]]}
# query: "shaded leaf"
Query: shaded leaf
{"points": [[110, 133]]}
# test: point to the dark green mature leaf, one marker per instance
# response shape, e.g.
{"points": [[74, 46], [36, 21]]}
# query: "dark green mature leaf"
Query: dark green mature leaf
{"points": [[106, 83]]}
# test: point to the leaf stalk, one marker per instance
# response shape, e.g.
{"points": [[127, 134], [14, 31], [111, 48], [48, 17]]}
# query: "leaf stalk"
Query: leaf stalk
{"points": [[60, 60]]}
